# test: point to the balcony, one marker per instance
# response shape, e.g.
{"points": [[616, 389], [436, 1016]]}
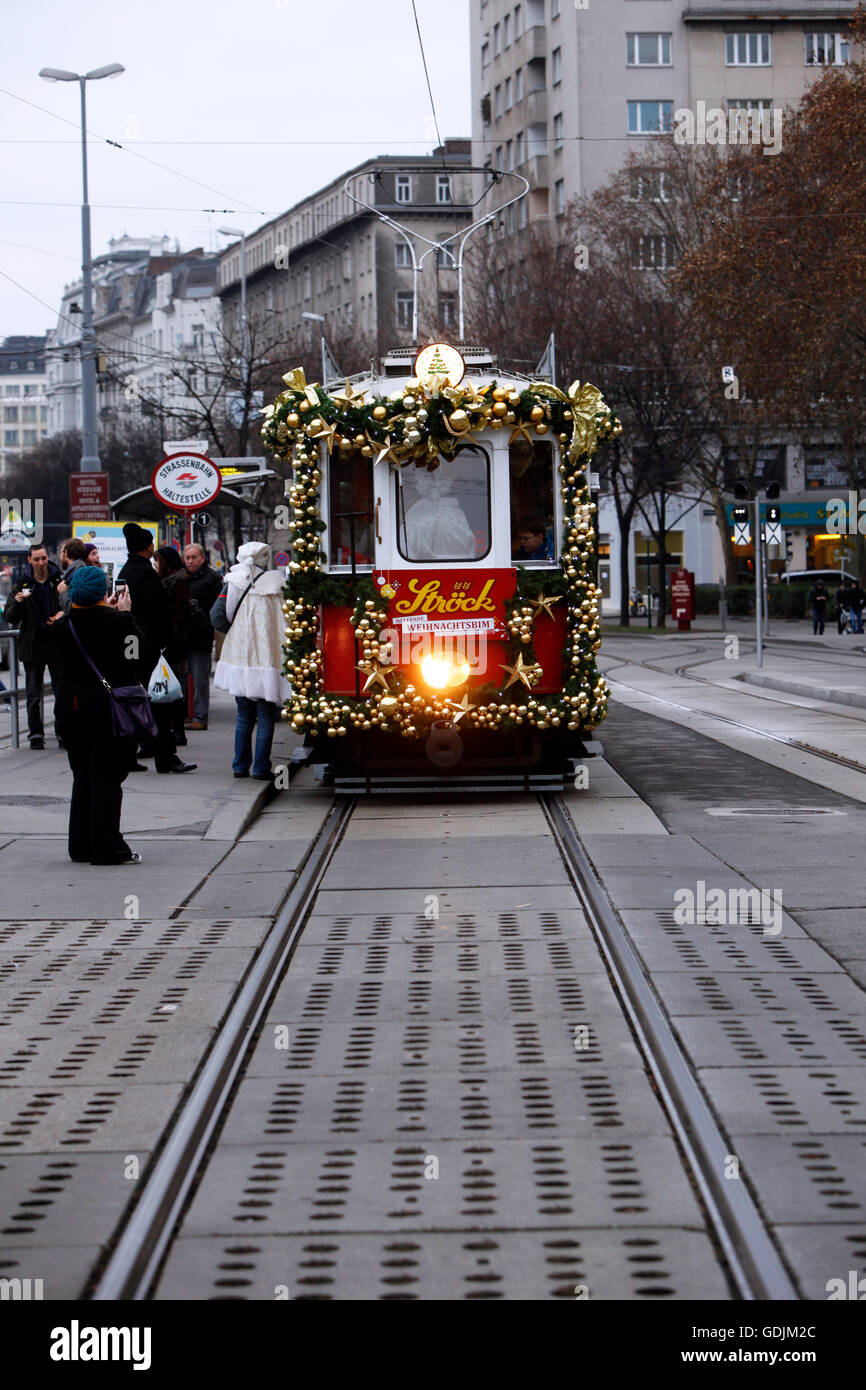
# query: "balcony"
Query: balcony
{"points": [[535, 169], [534, 43], [535, 106]]}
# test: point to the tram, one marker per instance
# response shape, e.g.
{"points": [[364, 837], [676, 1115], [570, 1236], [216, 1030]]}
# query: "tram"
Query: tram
{"points": [[441, 602]]}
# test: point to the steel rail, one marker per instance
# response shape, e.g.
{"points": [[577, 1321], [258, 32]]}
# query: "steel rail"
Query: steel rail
{"points": [[755, 1263], [135, 1261]]}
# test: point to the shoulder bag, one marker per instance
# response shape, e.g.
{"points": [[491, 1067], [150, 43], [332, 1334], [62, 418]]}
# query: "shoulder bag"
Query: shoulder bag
{"points": [[131, 715]]}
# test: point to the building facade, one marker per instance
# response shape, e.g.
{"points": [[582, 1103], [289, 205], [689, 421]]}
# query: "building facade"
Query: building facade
{"points": [[330, 257], [22, 397], [563, 90], [151, 306]]}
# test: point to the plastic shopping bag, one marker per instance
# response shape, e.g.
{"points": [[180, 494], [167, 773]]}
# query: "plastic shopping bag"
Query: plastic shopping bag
{"points": [[163, 686]]}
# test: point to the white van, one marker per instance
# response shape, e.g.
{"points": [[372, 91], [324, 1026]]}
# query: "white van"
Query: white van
{"points": [[830, 577]]}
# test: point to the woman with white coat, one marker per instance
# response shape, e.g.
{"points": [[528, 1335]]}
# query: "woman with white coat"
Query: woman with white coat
{"points": [[250, 612]]}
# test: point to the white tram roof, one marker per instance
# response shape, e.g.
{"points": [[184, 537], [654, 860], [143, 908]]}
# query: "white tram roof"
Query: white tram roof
{"points": [[398, 365]]}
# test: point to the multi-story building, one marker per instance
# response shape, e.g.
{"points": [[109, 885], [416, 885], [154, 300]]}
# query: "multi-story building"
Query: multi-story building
{"points": [[151, 306], [330, 257], [22, 388], [562, 90]]}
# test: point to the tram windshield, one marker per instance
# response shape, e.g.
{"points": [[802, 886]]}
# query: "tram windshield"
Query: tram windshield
{"points": [[445, 514], [533, 529], [350, 520]]}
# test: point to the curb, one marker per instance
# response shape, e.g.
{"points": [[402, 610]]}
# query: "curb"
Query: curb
{"points": [[237, 815], [811, 692]]}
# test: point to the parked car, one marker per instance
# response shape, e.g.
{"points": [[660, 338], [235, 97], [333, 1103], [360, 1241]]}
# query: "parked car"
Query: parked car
{"points": [[832, 578]]}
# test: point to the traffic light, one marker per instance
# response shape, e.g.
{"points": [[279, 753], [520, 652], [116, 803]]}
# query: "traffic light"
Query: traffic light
{"points": [[774, 514], [741, 514], [740, 490], [789, 546], [772, 490]]}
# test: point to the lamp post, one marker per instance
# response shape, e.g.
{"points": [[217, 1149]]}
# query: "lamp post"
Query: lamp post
{"points": [[90, 462], [320, 318], [233, 231]]}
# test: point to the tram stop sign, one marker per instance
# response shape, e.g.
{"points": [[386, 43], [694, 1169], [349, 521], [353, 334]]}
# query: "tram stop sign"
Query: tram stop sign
{"points": [[683, 598], [186, 482]]}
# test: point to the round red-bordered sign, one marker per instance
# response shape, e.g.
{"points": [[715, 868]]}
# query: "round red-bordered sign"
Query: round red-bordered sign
{"points": [[186, 482]]}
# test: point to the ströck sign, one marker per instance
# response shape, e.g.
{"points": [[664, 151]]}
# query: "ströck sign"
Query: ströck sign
{"points": [[186, 482]]}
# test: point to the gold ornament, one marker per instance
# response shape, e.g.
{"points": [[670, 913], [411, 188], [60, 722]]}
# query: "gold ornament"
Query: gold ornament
{"points": [[544, 605], [457, 421], [380, 412], [518, 672], [536, 414]]}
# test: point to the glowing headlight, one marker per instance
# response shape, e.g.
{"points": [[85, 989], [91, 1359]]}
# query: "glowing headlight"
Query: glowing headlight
{"points": [[443, 675]]}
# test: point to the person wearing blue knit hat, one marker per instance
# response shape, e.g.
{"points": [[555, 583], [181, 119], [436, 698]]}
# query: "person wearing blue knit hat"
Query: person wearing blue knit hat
{"points": [[122, 654]]}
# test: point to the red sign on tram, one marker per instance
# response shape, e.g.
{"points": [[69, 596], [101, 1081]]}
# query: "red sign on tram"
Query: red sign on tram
{"points": [[447, 603]]}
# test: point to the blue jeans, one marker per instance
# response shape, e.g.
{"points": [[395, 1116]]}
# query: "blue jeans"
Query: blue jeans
{"points": [[856, 620], [250, 713]]}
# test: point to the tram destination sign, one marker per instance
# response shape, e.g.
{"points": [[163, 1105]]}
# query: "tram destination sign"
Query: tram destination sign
{"points": [[186, 482]]}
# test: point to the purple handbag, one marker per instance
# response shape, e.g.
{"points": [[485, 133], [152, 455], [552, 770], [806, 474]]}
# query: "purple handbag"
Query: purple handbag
{"points": [[131, 714]]}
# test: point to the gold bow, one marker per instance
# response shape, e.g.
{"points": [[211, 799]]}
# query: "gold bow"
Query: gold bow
{"points": [[586, 403]]}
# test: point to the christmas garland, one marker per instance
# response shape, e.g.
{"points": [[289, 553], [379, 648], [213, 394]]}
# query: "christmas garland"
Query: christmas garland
{"points": [[419, 425]]}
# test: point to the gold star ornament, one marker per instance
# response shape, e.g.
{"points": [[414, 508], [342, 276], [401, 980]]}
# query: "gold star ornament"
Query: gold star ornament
{"points": [[544, 605], [519, 672]]}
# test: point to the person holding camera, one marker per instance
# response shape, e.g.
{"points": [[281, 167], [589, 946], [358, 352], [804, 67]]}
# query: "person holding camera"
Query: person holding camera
{"points": [[32, 606]]}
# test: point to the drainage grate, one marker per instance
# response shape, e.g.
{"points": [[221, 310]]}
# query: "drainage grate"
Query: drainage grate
{"points": [[34, 800], [784, 812]]}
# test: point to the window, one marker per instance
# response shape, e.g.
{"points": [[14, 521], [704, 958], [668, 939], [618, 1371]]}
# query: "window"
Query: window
{"points": [[443, 188], [350, 490], [518, 85], [10, 414], [557, 131], [508, 93], [405, 302], [747, 50], [533, 529], [29, 413], [519, 154], [13, 366], [556, 66], [448, 310], [506, 31], [522, 213], [485, 55], [403, 256], [30, 436], [10, 438], [308, 283], [404, 188], [554, 9], [31, 366], [648, 50], [445, 515], [347, 264], [649, 117], [649, 183], [43, 414], [445, 259], [518, 22], [509, 154], [750, 118], [497, 41], [559, 196], [498, 156], [497, 101], [652, 252], [828, 49]]}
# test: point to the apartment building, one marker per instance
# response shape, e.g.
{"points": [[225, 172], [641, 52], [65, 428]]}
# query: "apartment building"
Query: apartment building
{"points": [[329, 256], [24, 404], [151, 303], [562, 90]]}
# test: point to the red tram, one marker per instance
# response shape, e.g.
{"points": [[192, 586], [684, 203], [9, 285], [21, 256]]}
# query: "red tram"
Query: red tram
{"points": [[441, 603]]}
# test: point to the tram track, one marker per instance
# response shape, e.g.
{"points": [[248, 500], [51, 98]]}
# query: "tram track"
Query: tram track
{"points": [[754, 1269]]}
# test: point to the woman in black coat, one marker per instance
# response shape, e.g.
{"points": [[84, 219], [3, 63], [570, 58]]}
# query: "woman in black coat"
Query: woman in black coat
{"points": [[123, 654], [172, 572]]}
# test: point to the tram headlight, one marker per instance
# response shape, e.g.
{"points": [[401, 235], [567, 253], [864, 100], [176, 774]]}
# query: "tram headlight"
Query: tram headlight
{"points": [[443, 674]]}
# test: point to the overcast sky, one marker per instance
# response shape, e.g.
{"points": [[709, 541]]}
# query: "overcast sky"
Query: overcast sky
{"points": [[210, 90]]}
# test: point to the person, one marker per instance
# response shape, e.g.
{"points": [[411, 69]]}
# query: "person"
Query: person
{"points": [[204, 586], [99, 760], [843, 605], [856, 603], [72, 558], [32, 606], [250, 611], [818, 600], [435, 526], [170, 568], [91, 554], [152, 609], [533, 542]]}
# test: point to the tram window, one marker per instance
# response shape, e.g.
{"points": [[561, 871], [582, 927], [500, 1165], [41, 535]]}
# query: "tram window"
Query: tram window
{"points": [[445, 514], [533, 529], [350, 520]]}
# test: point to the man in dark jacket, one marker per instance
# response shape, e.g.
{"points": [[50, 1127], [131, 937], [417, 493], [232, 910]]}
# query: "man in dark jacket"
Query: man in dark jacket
{"points": [[856, 602], [204, 586], [31, 607], [818, 600], [152, 609]]}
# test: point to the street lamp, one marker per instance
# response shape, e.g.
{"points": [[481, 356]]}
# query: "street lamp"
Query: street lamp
{"points": [[233, 231], [320, 318], [90, 462]]}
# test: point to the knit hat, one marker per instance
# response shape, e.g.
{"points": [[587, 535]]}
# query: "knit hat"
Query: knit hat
{"points": [[87, 586], [136, 537], [88, 546]]}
